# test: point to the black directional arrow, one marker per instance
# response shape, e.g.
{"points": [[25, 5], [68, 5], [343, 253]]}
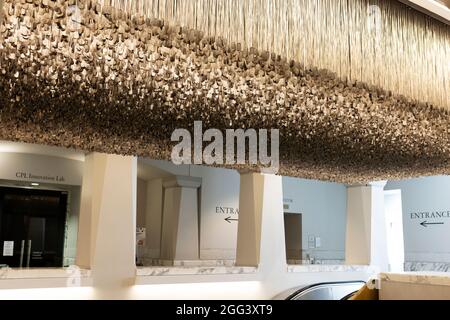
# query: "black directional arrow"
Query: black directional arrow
{"points": [[229, 219], [425, 224]]}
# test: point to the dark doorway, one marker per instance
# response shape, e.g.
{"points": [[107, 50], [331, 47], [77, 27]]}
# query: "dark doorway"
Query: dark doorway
{"points": [[293, 235], [32, 227]]}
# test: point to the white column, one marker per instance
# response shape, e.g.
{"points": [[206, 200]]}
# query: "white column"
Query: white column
{"points": [[88, 217], [366, 241], [180, 229], [379, 252], [273, 248], [358, 233], [261, 225], [107, 227], [250, 216]]}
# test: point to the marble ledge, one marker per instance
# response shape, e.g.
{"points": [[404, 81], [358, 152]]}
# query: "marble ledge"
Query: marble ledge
{"points": [[197, 270], [422, 277], [316, 261], [427, 266], [187, 263], [331, 268], [41, 273]]}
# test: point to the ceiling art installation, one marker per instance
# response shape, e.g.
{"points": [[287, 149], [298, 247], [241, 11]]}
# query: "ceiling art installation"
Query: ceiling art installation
{"points": [[97, 76], [378, 42]]}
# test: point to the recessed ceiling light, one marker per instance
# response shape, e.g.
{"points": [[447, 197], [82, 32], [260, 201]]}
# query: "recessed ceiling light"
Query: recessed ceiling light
{"points": [[35, 184]]}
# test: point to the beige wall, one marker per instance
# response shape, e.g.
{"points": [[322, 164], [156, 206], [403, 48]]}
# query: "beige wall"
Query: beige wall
{"points": [[393, 290]]}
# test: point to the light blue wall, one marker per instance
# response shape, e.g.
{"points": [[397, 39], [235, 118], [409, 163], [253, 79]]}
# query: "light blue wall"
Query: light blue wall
{"points": [[426, 194], [323, 206]]}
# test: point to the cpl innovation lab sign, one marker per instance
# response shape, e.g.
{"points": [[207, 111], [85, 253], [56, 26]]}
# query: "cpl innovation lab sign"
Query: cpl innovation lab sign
{"points": [[430, 218], [35, 177]]}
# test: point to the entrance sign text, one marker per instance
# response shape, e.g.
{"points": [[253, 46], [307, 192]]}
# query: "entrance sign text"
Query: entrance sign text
{"points": [[438, 217]]}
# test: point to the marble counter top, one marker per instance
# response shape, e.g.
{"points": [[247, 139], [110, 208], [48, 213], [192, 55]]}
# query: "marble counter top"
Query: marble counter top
{"points": [[194, 270], [316, 261], [330, 268], [187, 263], [40, 273], [422, 277], [427, 266]]}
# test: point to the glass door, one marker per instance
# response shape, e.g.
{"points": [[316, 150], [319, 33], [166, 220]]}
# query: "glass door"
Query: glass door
{"points": [[32, 227]]}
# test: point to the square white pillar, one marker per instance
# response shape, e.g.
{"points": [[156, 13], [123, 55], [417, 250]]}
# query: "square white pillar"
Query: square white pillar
{"points": [[107, 227], [180, 220], [250, 216], [366, 241], [261, 240]]}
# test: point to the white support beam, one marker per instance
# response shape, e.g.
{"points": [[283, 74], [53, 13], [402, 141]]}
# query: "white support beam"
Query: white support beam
{"points": [[107, 227], [432, 8], [366, 239], [261, 240], [180, 221]]}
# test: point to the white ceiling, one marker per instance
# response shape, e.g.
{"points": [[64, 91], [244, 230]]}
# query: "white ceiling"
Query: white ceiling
{"points": [[439, 9], [16, 147]]}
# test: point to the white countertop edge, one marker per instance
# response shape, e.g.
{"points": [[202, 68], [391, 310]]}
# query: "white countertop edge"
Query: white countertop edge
{"points": [[330, 268], [155, 271], [43, 273]]}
